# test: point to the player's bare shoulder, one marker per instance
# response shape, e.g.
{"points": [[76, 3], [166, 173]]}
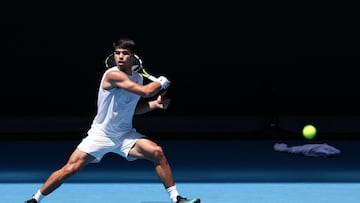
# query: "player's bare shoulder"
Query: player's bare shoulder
{"points": [[116, 75], [112, 77]]}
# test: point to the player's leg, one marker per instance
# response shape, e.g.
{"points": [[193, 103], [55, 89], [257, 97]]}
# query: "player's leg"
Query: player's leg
{"points": [[77, 160], [147, 149]]}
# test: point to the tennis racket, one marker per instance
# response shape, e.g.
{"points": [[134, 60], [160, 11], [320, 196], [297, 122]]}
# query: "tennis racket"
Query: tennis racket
{"points": [[137, 66]]}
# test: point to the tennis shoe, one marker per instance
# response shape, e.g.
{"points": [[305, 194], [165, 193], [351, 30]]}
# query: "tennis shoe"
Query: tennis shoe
{"points": [[185, 200], [32, 200]]}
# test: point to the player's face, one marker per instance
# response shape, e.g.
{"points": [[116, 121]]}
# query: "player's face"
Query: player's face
{"points": [[122, 57]]}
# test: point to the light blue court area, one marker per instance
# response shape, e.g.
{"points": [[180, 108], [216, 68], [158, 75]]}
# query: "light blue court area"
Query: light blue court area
{"points": [[208, 192]]}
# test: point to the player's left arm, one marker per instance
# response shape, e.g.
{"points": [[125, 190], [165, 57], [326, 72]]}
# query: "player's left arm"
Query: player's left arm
{"points": [[161, 102], [118, 79]]}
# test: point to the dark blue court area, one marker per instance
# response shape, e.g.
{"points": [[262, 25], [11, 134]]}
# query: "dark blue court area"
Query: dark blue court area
{"points": [[228, 170]]}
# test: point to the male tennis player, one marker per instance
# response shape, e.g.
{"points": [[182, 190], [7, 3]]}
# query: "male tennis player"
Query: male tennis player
{"points": [[112, 131]]}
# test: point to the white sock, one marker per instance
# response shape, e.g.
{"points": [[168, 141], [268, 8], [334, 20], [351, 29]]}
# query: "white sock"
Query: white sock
{"points": [[38, 196], [173, 193]]}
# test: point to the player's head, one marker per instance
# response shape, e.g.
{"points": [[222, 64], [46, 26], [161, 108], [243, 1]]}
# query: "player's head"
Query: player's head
{"points": [[123, 52], [124, 43]]}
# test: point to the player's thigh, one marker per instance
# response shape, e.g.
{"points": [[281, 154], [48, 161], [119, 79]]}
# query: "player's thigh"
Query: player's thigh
{"points": [[79, 159], [144, 148]]}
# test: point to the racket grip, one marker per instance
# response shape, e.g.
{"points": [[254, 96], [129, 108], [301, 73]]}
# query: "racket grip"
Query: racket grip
{"points": [[152, 78], [164, 82]]}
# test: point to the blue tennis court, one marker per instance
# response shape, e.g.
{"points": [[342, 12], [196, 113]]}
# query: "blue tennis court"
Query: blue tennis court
{"points": [[209, 192], [215, 170]]}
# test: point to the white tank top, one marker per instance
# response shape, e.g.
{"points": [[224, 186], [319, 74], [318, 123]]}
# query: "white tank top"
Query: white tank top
{"points": [[116, 107]]}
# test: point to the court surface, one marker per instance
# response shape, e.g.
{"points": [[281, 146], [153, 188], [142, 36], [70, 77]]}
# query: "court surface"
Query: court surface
{"points": [[209, 192], [231, 171]]}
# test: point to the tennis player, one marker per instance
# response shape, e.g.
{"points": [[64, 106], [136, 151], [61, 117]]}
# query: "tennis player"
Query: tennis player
{"points": [[112, 130]]}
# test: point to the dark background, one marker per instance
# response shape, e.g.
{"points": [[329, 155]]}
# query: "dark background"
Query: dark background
{"points": [[236, 63], [53, 64]]}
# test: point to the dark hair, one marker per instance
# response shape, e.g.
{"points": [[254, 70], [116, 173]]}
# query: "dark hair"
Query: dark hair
{"points": [[124, 43]]}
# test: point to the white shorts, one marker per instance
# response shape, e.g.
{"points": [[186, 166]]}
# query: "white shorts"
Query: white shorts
{"points": [[97, 144]]}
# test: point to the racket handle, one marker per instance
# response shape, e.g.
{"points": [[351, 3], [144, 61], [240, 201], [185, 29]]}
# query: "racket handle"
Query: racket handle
{"points": [[164, 82], [152, 78]]}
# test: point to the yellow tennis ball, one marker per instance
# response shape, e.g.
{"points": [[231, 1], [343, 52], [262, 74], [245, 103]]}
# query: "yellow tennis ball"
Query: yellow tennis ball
{"points": [[309, 132]]}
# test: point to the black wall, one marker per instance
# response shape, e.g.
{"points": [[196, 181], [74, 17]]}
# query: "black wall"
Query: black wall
{"points": [[55, 69], [220, 65]]}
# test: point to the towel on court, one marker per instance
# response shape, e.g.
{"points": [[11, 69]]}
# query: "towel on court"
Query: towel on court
{"points": [[314, 150]]}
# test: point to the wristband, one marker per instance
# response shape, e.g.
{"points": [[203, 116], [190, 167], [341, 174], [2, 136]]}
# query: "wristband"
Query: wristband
{"points": [[164, 82]]}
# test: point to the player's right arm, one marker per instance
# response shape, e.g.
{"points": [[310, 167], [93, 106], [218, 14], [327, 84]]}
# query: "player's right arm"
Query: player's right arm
{"points": [[118, 79]]}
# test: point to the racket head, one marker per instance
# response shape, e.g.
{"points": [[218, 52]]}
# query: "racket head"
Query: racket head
{"points": [[137, 62], [137, 65], [110, 61]]}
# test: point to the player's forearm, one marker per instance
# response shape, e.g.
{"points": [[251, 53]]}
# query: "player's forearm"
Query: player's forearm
{"points": [[145, 107], [151, 89]]}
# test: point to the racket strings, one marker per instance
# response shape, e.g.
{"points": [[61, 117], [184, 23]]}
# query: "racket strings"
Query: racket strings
{"points": [[137, 64]]}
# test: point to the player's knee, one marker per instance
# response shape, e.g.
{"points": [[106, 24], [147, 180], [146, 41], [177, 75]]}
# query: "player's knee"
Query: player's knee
{"points": [[69, 170], [158, 153]]}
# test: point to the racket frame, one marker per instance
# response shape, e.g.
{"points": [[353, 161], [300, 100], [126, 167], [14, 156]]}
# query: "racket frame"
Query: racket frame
{"points": [[110, 62]]}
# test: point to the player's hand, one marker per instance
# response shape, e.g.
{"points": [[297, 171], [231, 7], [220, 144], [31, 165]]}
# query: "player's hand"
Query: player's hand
{"points": [[165, 83], [162, 102]]}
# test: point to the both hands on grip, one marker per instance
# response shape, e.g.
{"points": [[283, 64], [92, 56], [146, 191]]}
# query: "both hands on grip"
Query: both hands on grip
{"points": [[165, 83]]}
